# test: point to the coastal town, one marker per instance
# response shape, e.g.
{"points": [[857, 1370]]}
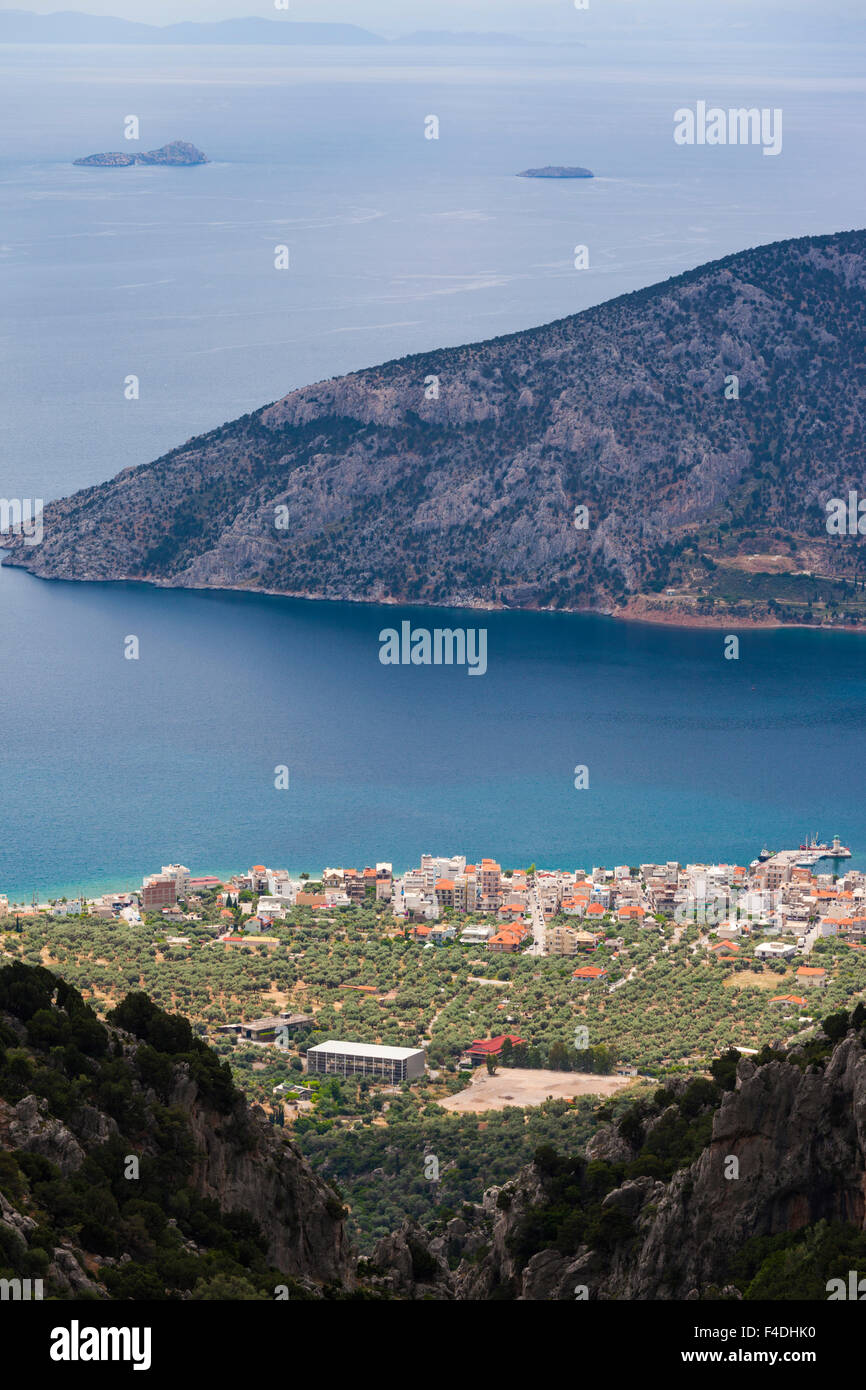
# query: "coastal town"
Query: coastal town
{"points": [[773, 927], [500, 340], [776, 908], [465, 1009]]}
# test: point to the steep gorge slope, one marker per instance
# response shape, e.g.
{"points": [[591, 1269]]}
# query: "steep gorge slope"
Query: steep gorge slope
{"points": [[749, 1184], [761, 1195], [374, 487], [130, 1167]]}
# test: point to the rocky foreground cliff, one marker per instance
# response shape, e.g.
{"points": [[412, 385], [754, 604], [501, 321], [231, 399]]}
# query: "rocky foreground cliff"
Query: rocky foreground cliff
{"points": [[752, 1185], [130, 1167], [670, 452]]}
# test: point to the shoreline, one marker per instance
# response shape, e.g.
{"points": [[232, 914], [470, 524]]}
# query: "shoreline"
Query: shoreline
{"points": [[93, 890], [633, 612], [722, 623]]}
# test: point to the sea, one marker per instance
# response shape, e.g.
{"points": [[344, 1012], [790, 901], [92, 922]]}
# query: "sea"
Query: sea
{"points": [[110, 767]]}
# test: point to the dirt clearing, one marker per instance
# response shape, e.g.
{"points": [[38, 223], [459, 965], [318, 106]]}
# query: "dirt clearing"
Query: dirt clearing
{"points": [[521, 1086]]}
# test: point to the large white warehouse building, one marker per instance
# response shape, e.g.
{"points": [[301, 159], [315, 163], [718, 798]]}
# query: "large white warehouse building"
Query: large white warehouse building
{"points": [[366, 1059]]}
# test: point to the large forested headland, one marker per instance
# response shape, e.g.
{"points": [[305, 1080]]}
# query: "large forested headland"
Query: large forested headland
{"points": [[669, 454]]}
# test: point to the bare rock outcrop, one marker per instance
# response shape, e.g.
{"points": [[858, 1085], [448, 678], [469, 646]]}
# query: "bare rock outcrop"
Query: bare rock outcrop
{"points": [[408, 1264], [30, 1126], [245, 1166], [800, 1144], [787, 1150]]}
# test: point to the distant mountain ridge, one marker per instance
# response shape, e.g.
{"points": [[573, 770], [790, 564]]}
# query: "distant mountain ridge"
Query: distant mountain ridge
{"points": [[70, 26], [602, 462], [461, 36]]}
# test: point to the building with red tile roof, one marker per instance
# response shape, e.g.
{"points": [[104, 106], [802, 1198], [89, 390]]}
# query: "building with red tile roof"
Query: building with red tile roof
{"points": [[508, 938], [812, 975], [482, 1048]]}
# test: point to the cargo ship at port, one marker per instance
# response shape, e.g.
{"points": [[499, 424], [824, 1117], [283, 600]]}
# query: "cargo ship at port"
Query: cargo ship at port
{"points": [[806, 856], [824, 851]]}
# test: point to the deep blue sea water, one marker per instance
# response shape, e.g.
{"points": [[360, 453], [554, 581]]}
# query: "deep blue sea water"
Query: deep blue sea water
{"points": [[109, 767]]}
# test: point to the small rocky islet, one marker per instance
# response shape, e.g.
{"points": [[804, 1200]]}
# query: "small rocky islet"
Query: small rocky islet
{"points": [[557, 171], [177, 152]]}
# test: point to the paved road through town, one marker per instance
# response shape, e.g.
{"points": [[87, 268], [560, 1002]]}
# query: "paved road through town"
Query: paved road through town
{"points": [[539, 931]]}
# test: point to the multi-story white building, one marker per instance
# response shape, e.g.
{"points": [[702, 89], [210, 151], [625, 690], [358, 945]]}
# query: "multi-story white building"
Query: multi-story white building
{"points": [[477, 934], [419, 905], [366, 1059], [180, 874], [434, 867], [281, 886], [272, 906]]}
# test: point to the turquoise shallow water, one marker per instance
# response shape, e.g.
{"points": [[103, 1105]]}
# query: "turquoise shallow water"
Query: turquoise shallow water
{"points": [[110, 768]]}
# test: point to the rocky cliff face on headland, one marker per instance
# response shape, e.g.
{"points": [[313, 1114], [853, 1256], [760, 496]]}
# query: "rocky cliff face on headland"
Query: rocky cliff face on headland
{"points": [[686, 437]]}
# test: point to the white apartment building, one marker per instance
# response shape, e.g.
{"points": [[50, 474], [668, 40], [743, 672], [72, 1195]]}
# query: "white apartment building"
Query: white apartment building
{"points": [[281, 886], [419, 905], [435, 867], [661, 873], [415, 881], [769, 950], [180, 874], [755, 902], [477, 934], [272, 907]]}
